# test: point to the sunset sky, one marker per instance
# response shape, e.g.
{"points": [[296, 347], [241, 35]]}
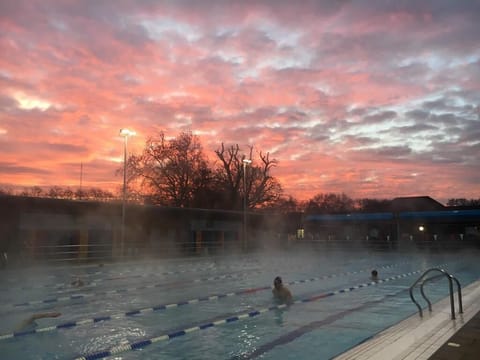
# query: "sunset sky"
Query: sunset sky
{"points": [[374, 99]]}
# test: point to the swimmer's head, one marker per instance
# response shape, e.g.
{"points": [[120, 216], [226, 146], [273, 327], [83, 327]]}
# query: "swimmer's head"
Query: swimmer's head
{"points": [[77, 282]]}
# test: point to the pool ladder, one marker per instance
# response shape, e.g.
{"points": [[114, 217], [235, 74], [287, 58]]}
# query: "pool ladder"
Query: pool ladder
{"points": [[422, 280]]}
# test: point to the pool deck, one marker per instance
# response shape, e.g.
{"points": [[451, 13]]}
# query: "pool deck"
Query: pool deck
{"points": [[464, 345], [434, 337]]}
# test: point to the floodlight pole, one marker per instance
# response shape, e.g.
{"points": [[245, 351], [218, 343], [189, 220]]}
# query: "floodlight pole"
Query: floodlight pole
{"points": [[245, 163], [125, 133]]}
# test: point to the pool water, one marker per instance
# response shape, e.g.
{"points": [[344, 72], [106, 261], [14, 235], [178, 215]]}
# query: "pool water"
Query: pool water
{"points": [[146, 300]]}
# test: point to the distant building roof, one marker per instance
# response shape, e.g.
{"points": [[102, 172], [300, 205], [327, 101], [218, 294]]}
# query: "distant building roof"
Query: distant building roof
{"points": [[351, 217], [415, 203]]}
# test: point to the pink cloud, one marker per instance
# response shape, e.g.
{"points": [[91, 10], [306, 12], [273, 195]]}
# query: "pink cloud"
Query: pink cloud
{"points": [[347, 98]]}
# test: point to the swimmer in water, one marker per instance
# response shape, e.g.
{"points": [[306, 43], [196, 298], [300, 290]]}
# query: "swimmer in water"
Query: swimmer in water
{"points": [[30, 323], [77, 282], [280, 292]]}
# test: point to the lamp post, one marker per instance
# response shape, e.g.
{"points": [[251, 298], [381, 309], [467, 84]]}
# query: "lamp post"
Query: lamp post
{"points": [[125, 133], [245, 163]]}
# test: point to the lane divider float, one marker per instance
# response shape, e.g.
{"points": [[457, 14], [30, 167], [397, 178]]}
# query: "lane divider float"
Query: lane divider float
{"points": [[63, 285]]}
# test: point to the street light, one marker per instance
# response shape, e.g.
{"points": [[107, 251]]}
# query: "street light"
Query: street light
{"points": [[125, 133], [245, 163]]}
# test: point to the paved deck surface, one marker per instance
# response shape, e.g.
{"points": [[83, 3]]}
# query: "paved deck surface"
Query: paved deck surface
{"points": [[464, 345]]}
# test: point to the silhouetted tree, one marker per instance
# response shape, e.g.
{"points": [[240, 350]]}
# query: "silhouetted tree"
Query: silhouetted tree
{"points": [[229, 176], [4, 190], [261, 188], [463, 202], [59, 192], [373, 205], [56, 192], [79, 194], [285, 205], [330, 204], [172, 172], [34, 191], [93, 193]]}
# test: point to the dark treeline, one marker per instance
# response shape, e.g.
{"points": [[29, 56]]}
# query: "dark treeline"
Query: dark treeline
{"points": [[176, 172], [59, 192], [324, 203], [463, 202]]}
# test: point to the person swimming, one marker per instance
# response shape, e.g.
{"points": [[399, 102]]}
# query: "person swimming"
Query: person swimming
{"points": [[280, 292], [77, 282], [374, 275], [30, 323]]}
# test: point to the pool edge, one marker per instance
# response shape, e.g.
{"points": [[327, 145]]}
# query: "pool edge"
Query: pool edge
{"points": [[418, 338]]}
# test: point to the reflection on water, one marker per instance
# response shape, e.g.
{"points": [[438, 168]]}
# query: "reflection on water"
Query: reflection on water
{"points": [[278, 313], [248, 336]]}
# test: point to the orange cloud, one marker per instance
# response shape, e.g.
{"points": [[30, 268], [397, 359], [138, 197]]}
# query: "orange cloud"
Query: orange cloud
{"points": [[372, 101]]}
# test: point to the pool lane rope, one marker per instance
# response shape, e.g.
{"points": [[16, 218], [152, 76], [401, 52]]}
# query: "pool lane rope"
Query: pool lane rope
{"points": [[152, 286], [162, 307], [204, 326], [125, 290], [63, 285]]}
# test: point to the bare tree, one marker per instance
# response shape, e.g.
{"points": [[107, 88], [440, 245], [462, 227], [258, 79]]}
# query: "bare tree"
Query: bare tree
{"points": [[95, 194], [228, 175], [79, 194], [34, 191], [261, 188], [285, 205], [56, 192], [172, 172]]}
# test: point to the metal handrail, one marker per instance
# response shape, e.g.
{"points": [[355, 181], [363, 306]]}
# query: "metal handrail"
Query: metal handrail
{"points": [[452, 300]]}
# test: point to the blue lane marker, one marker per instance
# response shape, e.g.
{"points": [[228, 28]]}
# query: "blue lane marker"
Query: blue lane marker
{"points": [[101, 318], [141, 344], [50, 301], [164, 337], [66, 325], [133, 312], [175, 334], [22, 333]]}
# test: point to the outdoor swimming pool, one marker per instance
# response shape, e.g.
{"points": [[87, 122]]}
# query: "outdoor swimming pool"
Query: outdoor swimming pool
{"points": [[216, 308]]}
